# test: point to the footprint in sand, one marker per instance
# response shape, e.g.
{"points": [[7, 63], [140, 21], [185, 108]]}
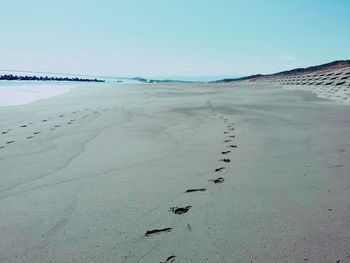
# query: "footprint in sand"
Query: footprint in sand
{"points": [[56, 126], [24, 126], [219, 169], [36, 133], [225, 152], [226, 132], [196, 190], [228, 140], [217, 180], [62, 115], [232, 146], [30, 137], [170, 259], [180, 210], [157, 231], [232, 136], [9, 142], [225, 160], [2, 147], [43, 120], [5, 132], [71, 121]]}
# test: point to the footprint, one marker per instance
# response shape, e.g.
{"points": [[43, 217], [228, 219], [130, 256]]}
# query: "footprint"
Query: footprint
{"points": [[30, 137], [226, 132], [157, 231], [232, 136], [196, 190], [232, 146], [62, 115], [36, 133], [2, 147], [44, 120], [228, 140], [170, 259], [225, 160], [9, 142], [56, 126], [180, 210], [23, 126], [4, 132], [232, 129], [336, 166], [226, 152], [220, 169], [218, 180]]}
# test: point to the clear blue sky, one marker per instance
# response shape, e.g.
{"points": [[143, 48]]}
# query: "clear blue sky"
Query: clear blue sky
{"points": [[172, 37]]}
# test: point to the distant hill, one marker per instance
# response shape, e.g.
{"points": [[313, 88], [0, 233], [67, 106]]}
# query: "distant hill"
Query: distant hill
{"points": [[298, 71]]}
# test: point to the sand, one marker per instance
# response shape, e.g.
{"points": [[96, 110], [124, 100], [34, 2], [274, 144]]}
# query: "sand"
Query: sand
{"points": [[108, 166]]}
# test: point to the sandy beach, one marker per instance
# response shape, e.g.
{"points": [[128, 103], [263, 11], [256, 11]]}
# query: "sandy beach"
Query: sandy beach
{"points": [[132, 173]]}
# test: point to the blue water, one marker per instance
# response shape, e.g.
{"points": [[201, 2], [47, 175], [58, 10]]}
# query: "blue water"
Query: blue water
{"points": [[116, 79]]}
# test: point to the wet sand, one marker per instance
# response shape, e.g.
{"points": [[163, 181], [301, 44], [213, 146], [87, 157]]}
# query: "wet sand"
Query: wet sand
{"points": [[175, 173]]}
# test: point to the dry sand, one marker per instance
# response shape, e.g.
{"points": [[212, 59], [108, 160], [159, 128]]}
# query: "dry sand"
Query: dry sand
{"points": [[106, 164]]}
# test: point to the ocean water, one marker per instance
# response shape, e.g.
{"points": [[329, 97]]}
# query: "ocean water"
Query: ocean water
{"points": [[23, 92]]}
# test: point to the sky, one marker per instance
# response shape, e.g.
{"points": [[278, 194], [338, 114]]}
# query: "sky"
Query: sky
{"points": [[172, 37]]}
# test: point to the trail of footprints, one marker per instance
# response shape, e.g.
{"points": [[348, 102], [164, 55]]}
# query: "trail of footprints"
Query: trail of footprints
{"points": [[175, 210], [75, 116], [183, 210]]}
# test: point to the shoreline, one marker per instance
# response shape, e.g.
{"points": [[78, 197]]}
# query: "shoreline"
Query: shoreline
{"points": [[15, 94]]}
